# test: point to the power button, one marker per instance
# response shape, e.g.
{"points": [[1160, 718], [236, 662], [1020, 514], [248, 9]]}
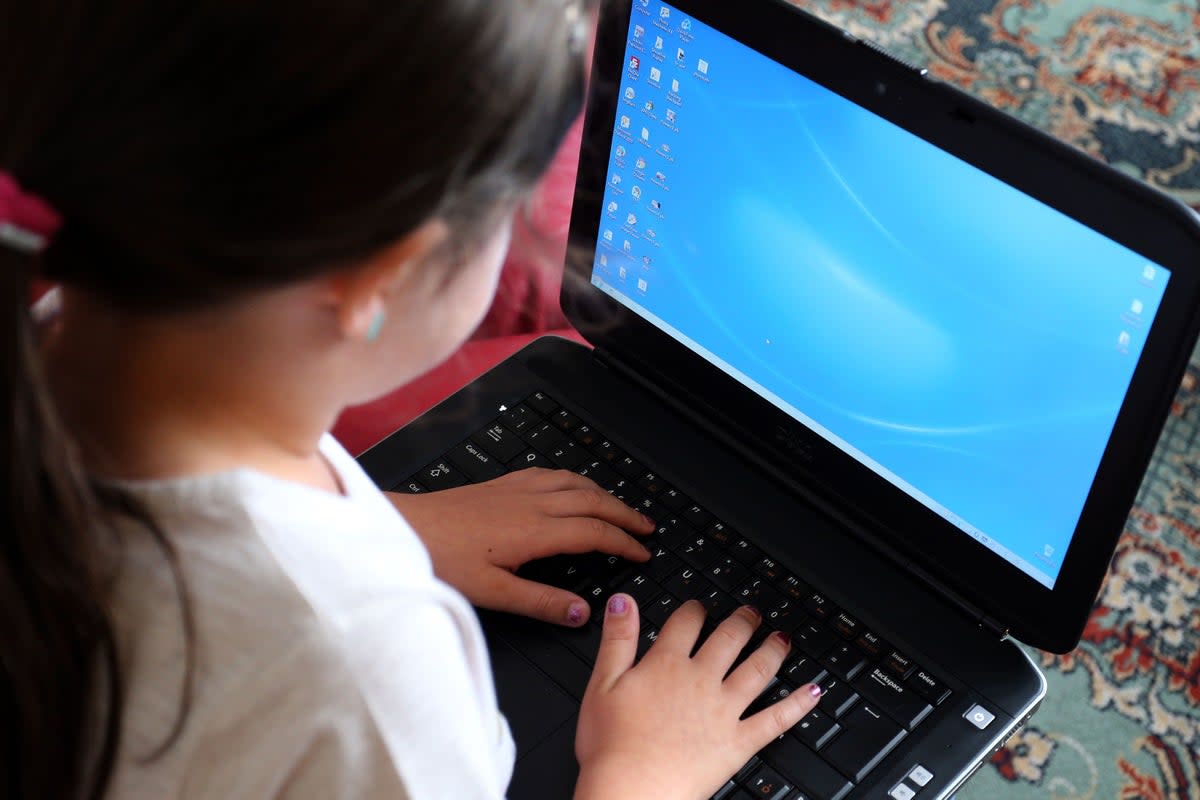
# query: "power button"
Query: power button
{"points": [[979, 716]]}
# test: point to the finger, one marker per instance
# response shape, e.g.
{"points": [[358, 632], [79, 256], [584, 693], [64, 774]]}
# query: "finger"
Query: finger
{"points": [[769, 724], [587, 534], [504, 591], [557, 480], [596, 503], [618, 642], [682, 629], [752, 676], [724, 644]]}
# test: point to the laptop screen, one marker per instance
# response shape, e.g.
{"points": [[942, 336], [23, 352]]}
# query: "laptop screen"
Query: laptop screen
{"points": [[966, 342]]}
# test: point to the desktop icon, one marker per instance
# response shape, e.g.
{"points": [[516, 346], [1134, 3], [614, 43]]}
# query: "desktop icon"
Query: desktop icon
{"points": [[649, 105], [612, 207], [1123, 340], [642, 285], [630, 93], [636, 192], [640, 164], [702, 67], [658, 43], [686, 25], [645, 134], [622, 272], [656, 205], [655, 74], [608, 236], [661, 177], [631, 220], [628, 246], [639, 32], [635, 63], [675, 86], [603, 260], [1148, 272], [680, 55], [625, 122], [671, 115], [1137, 307], [664, 13], [621, 151], [616, 180]]}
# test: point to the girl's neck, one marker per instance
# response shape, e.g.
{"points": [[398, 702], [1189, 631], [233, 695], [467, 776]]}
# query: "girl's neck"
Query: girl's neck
{"points": [[158, 396]]}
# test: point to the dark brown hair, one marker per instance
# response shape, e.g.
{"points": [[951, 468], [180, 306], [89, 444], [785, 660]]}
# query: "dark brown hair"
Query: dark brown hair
{"points": [[198, 151]]}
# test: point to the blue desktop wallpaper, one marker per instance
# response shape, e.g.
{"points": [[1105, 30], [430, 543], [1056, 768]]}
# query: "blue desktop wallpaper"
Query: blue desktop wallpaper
{"points": [[968, 342]]}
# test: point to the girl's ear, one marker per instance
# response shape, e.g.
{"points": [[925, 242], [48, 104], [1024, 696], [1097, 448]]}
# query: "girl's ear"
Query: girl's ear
{"points": [[359, 293]]}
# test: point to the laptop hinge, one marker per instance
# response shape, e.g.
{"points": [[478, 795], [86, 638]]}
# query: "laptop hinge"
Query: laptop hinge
{"points": [[964, 606]]}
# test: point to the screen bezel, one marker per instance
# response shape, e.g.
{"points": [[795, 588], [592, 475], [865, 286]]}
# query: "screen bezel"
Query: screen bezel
{"points": [[1125, 210]]}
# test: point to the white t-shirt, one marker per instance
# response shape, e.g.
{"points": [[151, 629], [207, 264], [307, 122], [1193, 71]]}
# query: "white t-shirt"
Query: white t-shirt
{"points": [[330, 662]]}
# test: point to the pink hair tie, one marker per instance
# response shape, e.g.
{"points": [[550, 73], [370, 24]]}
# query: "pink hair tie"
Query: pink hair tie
{"points": [[27, 222]]}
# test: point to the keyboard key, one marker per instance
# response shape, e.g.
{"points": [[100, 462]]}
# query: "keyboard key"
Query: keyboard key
{"points": [[651, 483], [777, 690], [800, 670], [567, 454], [920, 776], [767, 784], [697, 517], [564, 420], [410, 487], [640, 587], [500, 442], [660, 608], [662, 564], [837, 697], [727, 792], [530, 459], [845, 661], [722, 534], [544, 437], [629, 467], [441, 475], [519, 418], [604, 477], [745, 552], [846, 626], [687, 584], [747, 770], [901, 791], [727, 574], [814, 639], [867, 737], [647, 639], [596, 594], [675, 500], [608, 452], [768, 569], [897, 700], [928, 686], [793, 588], [758, 593], [803, 767], [718, 604], [541, 403], [819, 606], [672, 532], [564, 571], [652, 508], [477, 464], [898, 664], [816, 729], [586, 435], [871, 645], [785, 616], [698, 551]]}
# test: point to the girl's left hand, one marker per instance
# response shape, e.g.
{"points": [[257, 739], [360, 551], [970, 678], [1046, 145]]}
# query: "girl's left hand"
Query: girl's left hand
{"points": [[477, 536]]}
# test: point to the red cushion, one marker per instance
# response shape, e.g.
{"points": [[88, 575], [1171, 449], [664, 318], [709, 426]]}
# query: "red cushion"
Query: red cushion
{"points": [[362, 426]]}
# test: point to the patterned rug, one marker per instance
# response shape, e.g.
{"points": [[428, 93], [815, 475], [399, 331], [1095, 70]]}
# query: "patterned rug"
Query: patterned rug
{"points": [[1120, 80]]}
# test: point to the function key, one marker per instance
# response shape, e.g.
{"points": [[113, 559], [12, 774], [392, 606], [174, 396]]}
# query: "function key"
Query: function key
{"points": [[564, 420], [541, 403], [745, 552], [608, 452], [898, 664], [846, 626], [530, 459], [819, 606], [675, 500], [519, 417], [768, 569], [697, 517], [410, 487], [629, 467], [587, 436], [928, 686], [651, 483], [500, 442], [544, 436], [722, 534], [441, 475], [793, 587]]}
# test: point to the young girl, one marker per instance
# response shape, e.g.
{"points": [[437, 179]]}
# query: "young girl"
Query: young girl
{"points": [[259, 213]]}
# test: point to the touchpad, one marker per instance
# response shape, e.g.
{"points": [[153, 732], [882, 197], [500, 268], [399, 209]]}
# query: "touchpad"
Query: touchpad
{"points": [[534, 705]]}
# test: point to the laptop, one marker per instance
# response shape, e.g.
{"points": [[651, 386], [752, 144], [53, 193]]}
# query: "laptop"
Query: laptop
{"points": [[877, 358]]}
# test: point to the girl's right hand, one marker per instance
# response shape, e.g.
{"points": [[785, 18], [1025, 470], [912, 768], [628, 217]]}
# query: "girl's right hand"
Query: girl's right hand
{"points": [[671, 727]]}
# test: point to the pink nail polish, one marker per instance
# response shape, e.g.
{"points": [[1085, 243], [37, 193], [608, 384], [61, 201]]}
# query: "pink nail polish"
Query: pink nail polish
{"points": [[618, 605], [814, 690], [576, 613]]}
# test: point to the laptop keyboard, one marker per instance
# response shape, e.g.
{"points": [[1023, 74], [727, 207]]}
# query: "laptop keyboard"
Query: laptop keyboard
{"points": [[874, 694]]}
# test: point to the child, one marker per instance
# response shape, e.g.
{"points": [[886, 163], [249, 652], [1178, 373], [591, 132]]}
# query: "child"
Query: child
{"points": [[259, 213]]}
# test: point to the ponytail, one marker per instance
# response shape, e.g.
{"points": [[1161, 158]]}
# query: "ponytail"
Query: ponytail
{"points": [[60, 686]]}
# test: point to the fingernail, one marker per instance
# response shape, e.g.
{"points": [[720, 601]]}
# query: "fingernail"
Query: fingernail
{"points": [[814, 690], [649, 521], [576, 613], [618, 605], [783, 637], [752, 611]]}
